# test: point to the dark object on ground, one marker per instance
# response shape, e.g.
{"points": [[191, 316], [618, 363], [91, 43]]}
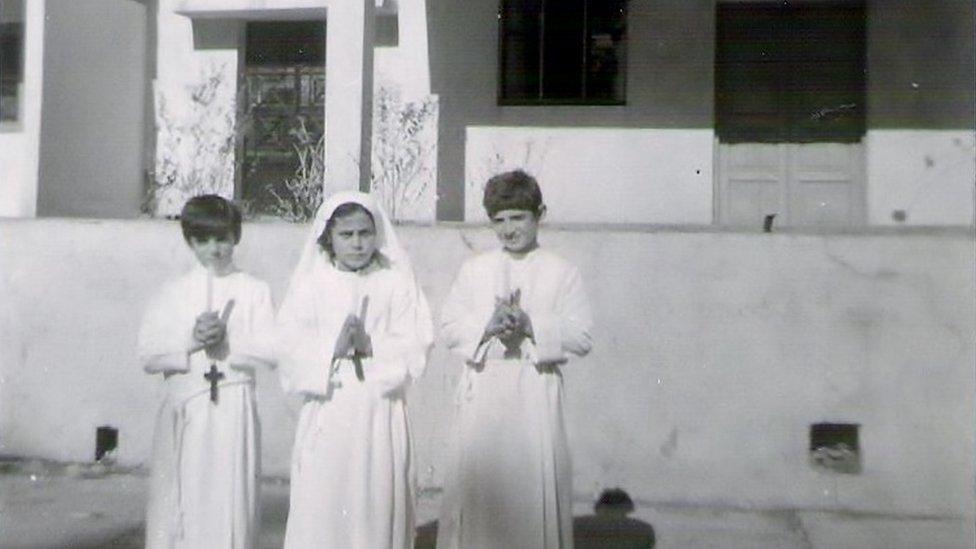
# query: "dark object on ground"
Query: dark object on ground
{"points": [[608, 528]]}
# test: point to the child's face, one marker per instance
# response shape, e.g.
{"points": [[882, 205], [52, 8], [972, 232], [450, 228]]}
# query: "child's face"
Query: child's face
{"points": [[353, 241], [214, 252], [516, 229]]}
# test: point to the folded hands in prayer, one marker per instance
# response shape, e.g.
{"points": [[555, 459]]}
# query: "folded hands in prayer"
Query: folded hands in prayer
{"points": [[209, 332], [509, 323], [353, 339]]}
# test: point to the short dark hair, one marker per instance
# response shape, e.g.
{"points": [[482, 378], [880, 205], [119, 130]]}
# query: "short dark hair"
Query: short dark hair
{"points": [[514, 190], [208, 216], [342, 210]]}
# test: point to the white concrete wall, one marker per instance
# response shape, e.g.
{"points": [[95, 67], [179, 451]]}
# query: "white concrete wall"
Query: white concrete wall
{"points": [[714, 353], [928, 174], [599, 175], [20, 142]]}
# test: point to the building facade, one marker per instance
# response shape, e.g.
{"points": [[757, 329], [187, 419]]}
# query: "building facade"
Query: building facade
{"points": [[822, 112]]}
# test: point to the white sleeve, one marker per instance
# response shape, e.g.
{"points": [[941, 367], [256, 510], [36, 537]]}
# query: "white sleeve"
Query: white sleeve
{"points": [[255, 347], [400, 353], [461, 330], [163, 344], [303, 347], [567, 329]]}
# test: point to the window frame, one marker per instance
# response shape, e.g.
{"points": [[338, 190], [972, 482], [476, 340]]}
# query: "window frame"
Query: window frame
{"points": [[245, 69], [17, 124], [543, 101]]}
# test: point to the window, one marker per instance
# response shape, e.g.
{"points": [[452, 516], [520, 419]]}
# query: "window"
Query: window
{"points": [[11, 59], [562, 52], [283, 106], [791, 72]]}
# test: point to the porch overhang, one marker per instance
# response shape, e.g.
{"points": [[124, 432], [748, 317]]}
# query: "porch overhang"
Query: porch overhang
{"points": [[272, 10]]}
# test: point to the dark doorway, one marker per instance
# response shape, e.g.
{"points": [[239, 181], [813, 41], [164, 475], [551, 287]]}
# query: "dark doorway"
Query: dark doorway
{"points": [[283, 105]]}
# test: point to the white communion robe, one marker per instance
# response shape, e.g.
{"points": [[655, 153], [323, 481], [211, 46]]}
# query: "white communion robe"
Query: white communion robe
{"points": [[508, 483], [203, 491], [351, 473]]}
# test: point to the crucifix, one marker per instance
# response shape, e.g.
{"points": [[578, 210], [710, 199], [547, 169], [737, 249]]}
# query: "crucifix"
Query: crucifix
{"points": [[213, 376]]}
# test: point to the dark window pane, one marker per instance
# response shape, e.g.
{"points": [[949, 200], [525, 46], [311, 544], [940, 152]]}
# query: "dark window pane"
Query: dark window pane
{"points": [[826, 90], [790, 72], [11, 58], [563, 41], [605, 50], [561, 51], [283, 104], [520, 46], [284, 44], [751, 61]]}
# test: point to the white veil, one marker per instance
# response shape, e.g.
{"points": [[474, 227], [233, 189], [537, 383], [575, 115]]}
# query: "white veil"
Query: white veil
{"points": [[314, 258], [315, 265]]}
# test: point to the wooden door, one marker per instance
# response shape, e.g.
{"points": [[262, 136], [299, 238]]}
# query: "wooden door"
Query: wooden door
{"points": [[790, 112]]}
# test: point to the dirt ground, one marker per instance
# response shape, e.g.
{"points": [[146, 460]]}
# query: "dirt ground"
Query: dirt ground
{"points": [[54, 506]]}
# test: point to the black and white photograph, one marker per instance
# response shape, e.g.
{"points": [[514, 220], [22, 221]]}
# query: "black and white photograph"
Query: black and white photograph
{"points": [[487, 274]]}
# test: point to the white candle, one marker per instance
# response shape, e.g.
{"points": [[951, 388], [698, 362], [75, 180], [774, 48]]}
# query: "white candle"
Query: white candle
{"points": [[363, 307], [210, 277]]}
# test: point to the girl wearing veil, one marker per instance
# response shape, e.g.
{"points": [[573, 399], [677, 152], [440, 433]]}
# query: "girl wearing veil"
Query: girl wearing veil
{"points": [[353, 331]]}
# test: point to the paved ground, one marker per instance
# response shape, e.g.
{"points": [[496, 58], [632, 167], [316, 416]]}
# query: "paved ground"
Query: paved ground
{"points": [[52, 506]]}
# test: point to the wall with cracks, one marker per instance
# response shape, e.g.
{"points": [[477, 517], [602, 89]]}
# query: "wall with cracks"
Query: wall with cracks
{"points": [[715, 353]]}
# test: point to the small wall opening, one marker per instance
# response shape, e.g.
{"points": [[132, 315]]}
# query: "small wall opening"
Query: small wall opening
{"points": [[106, 440], [835, 447]]}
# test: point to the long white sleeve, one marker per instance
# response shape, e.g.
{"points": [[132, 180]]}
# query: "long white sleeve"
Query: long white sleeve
{"points": [[255, 346], [400, 350], [567, 328], [303, 345], [461, 330], [163, 341]]}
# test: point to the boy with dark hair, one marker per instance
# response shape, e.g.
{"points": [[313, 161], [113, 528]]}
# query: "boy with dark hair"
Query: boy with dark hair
{"points": [[206, 332], [514, 315]]}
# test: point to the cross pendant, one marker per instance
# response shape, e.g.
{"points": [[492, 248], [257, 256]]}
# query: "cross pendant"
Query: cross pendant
{"points": [[213, 376]]}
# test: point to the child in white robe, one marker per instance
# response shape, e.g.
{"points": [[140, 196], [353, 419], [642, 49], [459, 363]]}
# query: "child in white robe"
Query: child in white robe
{"points": [[206, 332], [353, 332], [514, 315]]}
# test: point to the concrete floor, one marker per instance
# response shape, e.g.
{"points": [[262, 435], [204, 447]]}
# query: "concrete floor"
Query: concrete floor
{"points": [[84, 507]]}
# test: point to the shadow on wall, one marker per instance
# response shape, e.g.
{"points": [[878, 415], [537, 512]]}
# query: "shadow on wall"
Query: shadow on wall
{"points": [[608, 526]]}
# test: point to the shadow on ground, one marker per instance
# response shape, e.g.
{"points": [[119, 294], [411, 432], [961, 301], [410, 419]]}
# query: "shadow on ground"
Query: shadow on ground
{"points": [[89, 506], [601, 531], [589, 532], [608, 527]]}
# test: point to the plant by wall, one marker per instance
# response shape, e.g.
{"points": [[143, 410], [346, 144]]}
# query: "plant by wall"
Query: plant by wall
{"points": [[303, 191], [196, 149], [194, 145], [404, 141]]}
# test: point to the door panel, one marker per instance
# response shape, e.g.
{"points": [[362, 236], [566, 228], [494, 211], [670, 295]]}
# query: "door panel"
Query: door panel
{"points": [[804, 184]]}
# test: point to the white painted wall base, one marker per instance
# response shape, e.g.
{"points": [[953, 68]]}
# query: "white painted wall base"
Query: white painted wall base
{"points": [[599, 175], [928, 174]]}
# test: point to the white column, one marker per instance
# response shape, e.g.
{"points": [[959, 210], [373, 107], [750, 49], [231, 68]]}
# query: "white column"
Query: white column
{"points": [[20, 141], [348, 94], [412, 19]]}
